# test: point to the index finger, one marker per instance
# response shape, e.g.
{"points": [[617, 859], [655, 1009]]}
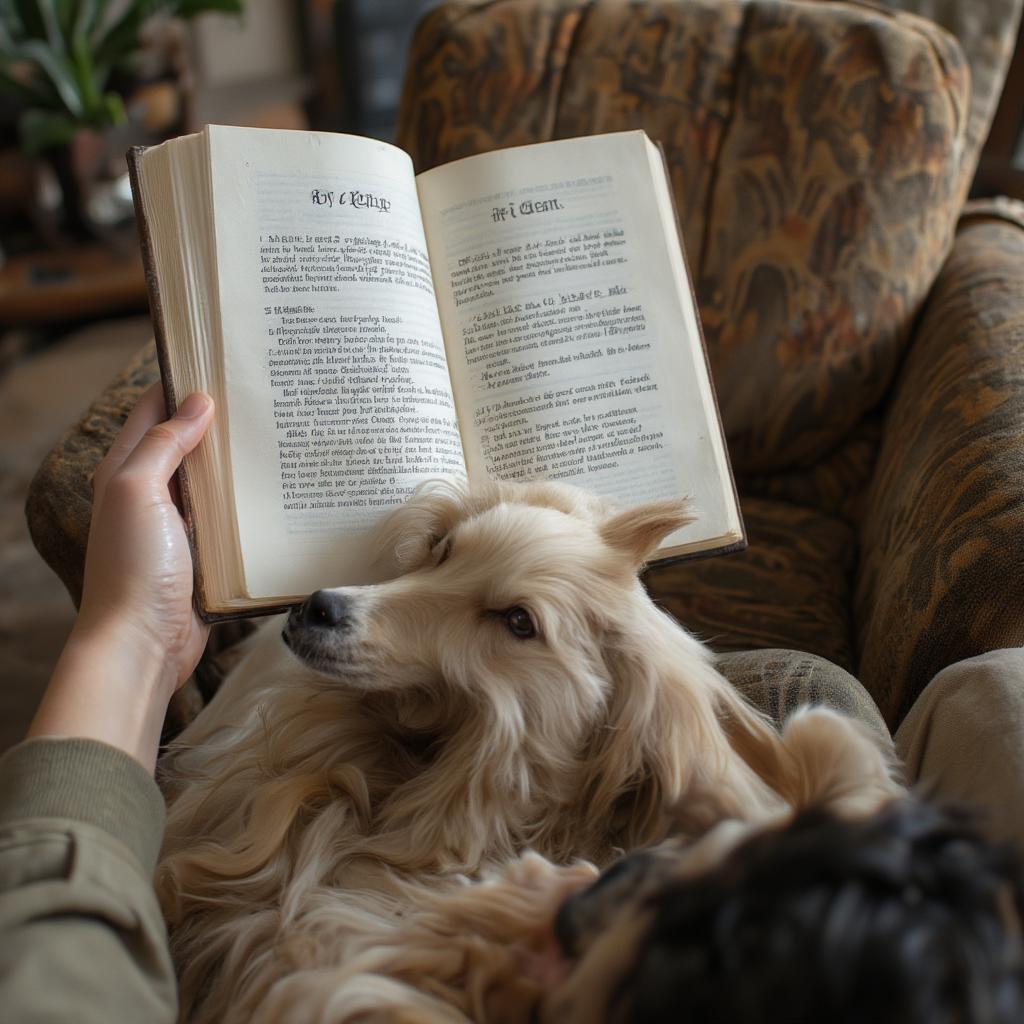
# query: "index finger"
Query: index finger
{"points": [[147, 412], [162, 447]]}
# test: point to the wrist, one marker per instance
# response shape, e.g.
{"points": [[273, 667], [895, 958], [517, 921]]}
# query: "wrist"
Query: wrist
{"points": [[110, 684], [112, 645]]}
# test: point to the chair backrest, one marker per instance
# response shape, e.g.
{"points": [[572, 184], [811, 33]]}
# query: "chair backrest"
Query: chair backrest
{"points": [[819, 153]]}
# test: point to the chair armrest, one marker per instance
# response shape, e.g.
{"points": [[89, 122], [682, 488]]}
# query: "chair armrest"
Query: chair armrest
{"points": [[941, 575]]}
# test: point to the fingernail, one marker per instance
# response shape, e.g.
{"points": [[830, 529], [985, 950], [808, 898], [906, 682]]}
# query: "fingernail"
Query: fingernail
{"points": [[194, 406]]}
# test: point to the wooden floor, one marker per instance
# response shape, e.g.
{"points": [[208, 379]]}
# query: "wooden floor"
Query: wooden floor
{"points": [[41, 395]]}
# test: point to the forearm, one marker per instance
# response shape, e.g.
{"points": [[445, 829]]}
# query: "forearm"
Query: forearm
{"points": [[107, 687]]}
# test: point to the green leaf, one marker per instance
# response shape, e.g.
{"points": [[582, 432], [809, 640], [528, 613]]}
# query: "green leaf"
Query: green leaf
{"points": [[56, 69], [42, 130], [89, 85], [121, 38], [86, 18], [67, 12], [11, 28], [114, 108], [7, 31], [54, 35]]}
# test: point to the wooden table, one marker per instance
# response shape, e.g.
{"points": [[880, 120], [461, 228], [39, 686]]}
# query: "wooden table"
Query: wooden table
{"points": [[74, 283]]}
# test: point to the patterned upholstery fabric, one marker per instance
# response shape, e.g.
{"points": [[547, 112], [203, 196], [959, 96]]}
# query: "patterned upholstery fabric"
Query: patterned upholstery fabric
{"points": [[836, 484], [941, 577], [819, 158], [819, 154], [791, 588], [987, 32]]}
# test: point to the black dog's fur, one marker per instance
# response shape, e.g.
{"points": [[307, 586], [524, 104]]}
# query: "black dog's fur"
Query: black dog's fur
{"points": [[909, 917]]}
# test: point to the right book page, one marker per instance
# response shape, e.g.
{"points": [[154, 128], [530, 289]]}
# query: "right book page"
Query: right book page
{"points": [[569, 322]]}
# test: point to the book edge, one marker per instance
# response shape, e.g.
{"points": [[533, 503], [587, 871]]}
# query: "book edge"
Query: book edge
{"points": [[249, 611], [692, 556], [741, 524], [527, 145], [200, 599]]}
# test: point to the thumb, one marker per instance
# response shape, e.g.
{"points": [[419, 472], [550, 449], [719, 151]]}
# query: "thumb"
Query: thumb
{"points": [[161, 449]]}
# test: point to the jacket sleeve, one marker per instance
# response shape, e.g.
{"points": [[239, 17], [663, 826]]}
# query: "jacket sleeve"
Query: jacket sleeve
{"points": [[81, 934]]}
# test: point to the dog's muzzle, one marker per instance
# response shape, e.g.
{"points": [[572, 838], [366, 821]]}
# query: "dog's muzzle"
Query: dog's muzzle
{"points": [[326, 609], [318, 630]]}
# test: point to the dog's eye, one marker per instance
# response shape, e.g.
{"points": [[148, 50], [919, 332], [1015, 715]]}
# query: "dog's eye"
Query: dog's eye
{"points": [[520, 623]]}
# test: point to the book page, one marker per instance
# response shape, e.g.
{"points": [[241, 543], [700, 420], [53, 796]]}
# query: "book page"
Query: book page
{"points": [[339, 400], [572, 338]]}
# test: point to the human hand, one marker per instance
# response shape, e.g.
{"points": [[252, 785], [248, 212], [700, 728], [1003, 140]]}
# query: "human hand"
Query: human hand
{"points": [[138, 569], [137, 637]]}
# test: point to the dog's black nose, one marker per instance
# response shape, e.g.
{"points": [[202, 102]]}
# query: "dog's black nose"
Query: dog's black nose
{"points": [[327, 608]]}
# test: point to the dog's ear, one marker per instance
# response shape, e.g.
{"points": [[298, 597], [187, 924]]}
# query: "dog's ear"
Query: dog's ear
{"points": [[638, 531], [409, 533]]}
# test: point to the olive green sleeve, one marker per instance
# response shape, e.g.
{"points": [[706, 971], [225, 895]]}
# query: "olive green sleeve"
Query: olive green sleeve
{"points": [[81, 934]]}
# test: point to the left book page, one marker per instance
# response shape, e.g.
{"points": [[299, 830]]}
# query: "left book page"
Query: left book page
{"points": [[335, 392]]}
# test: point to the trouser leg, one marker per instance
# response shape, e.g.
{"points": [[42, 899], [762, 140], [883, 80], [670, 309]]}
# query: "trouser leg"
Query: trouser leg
{"points": [[963, 740]]}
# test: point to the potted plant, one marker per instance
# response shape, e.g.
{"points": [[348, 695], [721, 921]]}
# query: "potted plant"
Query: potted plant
{"points": [[59, 59]]}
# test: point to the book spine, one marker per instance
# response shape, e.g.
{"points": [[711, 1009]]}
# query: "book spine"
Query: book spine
{"points": [[694, 556]]}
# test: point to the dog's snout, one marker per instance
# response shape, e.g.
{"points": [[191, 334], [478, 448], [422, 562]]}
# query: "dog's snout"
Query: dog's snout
{"points": [[327, 608], [323, 632]]}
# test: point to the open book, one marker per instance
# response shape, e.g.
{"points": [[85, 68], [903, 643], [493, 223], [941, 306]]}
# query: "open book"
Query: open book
{"points": [[520, 314]]}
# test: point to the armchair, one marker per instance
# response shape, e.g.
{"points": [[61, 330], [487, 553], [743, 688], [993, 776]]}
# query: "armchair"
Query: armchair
{"points": [[868, 356]]}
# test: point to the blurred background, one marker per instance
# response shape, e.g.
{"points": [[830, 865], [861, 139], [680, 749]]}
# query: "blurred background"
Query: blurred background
{"points": [[74, 97]]}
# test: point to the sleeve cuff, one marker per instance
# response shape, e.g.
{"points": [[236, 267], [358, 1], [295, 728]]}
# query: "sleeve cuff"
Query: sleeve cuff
{"points": [[88, 781]]}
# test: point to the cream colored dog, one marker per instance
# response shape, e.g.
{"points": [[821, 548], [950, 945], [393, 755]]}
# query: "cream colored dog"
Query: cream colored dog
{"points": [[514, 690]]}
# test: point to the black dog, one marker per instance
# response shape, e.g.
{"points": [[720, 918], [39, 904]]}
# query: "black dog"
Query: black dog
{"points": [[908, 917]]}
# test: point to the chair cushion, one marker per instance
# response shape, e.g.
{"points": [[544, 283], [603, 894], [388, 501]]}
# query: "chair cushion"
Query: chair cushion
{"points": [[791, 587], [819, 156], [987, 32]]}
